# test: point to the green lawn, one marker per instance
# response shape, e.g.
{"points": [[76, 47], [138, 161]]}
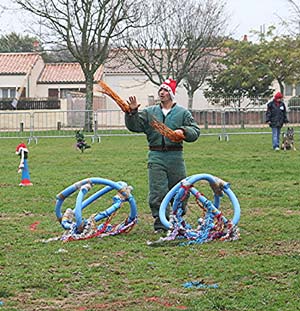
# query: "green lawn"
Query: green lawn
{"points": [[260, 271]]}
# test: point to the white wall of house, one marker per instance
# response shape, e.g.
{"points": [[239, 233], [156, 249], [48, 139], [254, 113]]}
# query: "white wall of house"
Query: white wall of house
{"points": [[127, 85], [9, 85], [10, 81], [42, 89]]}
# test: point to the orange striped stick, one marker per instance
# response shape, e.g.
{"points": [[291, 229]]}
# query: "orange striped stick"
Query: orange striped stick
{"points": [[166, 131], [114, 96]]}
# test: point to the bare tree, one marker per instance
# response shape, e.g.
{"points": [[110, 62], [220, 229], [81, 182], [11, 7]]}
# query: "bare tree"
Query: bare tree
{"points": [[185, 33], [294, 21], [87, 28], [196, 77]]}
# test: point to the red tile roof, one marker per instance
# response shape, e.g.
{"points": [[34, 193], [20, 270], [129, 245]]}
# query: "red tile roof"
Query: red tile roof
{"points": [[119, 65], [64, 73], [21, 63], [17, 63]]}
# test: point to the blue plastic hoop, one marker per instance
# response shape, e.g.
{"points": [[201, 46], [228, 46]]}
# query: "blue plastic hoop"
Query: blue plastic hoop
{"points": [[178, 191], [83, 187]]}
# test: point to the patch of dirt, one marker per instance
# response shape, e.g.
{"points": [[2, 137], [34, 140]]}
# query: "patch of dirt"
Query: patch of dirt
{"points": [[83, 301], [292, 212], [278, 248], [6, 185]]}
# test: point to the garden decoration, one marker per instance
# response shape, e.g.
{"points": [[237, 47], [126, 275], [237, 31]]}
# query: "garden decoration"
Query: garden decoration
{"points": [[213, 225], [23, 168], [81, 143], [78, 228]]}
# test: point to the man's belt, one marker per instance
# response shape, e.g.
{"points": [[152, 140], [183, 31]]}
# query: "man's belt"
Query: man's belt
{"points": [[165, 148]]}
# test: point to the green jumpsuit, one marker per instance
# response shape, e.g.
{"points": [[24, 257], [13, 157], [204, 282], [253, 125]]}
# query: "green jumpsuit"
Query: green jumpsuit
{"points": [[166, 165]]}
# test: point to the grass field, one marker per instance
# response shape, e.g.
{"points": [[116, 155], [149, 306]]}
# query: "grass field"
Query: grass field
{"points": [[260, 271]]}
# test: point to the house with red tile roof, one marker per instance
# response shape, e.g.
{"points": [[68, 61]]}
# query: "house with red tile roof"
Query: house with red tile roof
{"points": [[57, 79], [19, 70], [43, 80], [37, 78], [27, 71]]}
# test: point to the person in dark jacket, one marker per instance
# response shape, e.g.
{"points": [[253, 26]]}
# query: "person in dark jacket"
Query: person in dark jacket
{"points": [[276, 116], [166, 165]]}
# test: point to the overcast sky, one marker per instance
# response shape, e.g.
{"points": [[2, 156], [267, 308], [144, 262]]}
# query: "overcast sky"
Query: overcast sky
{"points": [[245, 15], [249, 15]]}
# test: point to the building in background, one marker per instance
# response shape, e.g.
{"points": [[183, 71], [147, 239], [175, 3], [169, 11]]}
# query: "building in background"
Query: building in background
{"points": [[26, 74]]}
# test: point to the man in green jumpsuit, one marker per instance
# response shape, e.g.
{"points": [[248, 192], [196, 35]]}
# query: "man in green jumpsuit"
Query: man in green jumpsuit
{"points": [[166, 165]]}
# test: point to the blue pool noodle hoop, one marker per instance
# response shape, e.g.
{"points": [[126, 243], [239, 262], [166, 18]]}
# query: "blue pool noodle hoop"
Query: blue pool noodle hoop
{"points": [[178, 192], [80, 204]]}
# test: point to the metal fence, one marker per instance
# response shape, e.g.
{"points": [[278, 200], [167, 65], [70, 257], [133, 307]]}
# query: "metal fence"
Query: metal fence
{"points": [[16, 125], [57, 123], [229, 121]]}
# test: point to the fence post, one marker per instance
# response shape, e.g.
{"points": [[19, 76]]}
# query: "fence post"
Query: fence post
{"points": [[31, 136], [96, 128], [205, 120], [242, 118]]}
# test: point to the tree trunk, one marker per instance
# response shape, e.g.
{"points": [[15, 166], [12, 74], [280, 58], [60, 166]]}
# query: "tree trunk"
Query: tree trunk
{"points": [[281, 85], [190, 100], [88, 124]]}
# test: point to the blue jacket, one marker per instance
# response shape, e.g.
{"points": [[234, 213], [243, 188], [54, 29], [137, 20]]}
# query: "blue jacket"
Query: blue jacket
{"points": [[276, 114]]}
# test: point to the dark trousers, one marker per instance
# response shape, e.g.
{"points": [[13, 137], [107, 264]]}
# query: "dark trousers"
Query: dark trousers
{"points": [[165, 170]]}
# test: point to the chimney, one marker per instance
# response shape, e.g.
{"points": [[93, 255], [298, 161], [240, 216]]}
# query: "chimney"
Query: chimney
{"points": [[36, 45]]}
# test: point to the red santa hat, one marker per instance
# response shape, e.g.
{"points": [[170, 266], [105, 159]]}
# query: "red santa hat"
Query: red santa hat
{"points": [[21, 147], [278, 96], [170, 86]]}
